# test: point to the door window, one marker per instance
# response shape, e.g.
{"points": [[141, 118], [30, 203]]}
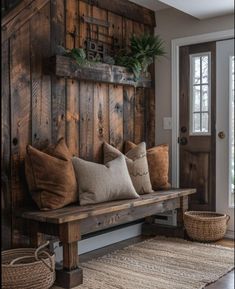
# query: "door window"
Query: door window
{"points": [[200, 94]]}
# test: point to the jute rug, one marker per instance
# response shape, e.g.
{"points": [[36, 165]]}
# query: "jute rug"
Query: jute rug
{"points": [[159, 263]]}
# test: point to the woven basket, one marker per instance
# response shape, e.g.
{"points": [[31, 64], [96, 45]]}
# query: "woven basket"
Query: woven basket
{"points": [[27, 268], [205, 226]]}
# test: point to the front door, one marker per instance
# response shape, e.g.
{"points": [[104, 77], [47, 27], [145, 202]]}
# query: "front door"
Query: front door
{"points": [[197, 136], [225, 130]]}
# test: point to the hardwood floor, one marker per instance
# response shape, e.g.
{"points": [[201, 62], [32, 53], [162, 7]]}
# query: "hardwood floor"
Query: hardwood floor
{"points": [[226, 282]]}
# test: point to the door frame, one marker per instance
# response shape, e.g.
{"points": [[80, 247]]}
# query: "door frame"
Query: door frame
{"points": [[175, 45]]}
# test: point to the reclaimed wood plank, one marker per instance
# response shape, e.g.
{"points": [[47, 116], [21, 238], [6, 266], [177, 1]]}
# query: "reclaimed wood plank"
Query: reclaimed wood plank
{"points": [[139, 122], [127, 9], [84, 10], [17, 20], [5, 149], [104, 221], [20, 122], [139, 116], [101, 120], [72, 86], [127, 31], [150, 102], [66, 67], [115, 31], [40, 82], [99, 33], [73, 213], [128, 113], [116, 116], [58, 84], [86, 119]]}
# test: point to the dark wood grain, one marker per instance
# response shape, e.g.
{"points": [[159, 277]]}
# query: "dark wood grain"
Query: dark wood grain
{"points": [[40, 83], [127, 9], [74, 213], [86, 119], [72, 85], [116, 115], [38, 107], [58, 100], [20, 119], [66, 67], [197, 157], [101, 120], [17, 20], [5, 149], [128, 113]]}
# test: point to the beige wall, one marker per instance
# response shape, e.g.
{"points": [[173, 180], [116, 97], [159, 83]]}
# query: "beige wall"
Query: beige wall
{"points": [[172, 24]]}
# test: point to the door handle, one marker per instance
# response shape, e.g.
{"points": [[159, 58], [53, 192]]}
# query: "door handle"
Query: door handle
{"points": [[221, 135], [182, 140]]}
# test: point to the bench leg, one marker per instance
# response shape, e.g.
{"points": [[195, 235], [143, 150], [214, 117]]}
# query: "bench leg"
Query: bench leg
{"points": [[70, 275]]}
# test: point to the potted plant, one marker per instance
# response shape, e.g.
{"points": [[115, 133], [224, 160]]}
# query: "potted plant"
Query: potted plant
{"points": [[141, 53]]}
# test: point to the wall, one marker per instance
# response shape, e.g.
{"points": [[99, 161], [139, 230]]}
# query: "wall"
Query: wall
{"points": [[38, 108], [172, 24]]}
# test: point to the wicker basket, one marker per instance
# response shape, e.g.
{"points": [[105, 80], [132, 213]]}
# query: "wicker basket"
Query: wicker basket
{"points": [[205, 226], [27, 268]]}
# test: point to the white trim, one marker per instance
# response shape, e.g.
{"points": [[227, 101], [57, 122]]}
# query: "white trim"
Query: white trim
{"points": [[100, 241], [231, 59], [229, 234], [175, 45]]}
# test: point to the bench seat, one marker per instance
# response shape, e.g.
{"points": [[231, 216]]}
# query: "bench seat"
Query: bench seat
{"points": [[70, 223]]}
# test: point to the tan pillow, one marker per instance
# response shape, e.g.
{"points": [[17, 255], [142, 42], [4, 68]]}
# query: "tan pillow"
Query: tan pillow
{"points": [[158, 162], [50, 176], [101, 183], [137, 166]]}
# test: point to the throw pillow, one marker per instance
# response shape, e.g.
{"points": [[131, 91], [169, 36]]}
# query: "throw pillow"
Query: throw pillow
{"points": [[50, 176], [137, 166], [158, 162], [102, 183]]}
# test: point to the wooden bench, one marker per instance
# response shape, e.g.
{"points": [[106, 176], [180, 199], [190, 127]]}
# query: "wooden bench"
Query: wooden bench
{"points": [[71, 222]]}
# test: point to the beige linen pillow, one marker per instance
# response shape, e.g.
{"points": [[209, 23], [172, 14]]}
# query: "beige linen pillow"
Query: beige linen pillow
{"points": [[101, 183], [137, 164], [158, 162]]}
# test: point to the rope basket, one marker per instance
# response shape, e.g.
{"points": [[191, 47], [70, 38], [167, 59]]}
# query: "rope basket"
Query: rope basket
{"points": [[27, 268], [205, 226]]}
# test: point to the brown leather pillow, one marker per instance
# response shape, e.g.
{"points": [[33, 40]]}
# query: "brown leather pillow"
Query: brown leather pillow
{"points": [[50, 176], [158, 163]]}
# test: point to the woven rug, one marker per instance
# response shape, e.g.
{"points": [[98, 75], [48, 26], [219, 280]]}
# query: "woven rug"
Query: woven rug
{"points": [[159, 263]]}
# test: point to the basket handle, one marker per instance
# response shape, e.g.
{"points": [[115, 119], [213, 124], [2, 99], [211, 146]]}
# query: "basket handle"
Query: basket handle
{"points": [[18, 259], [227, 219], [37, 253]]}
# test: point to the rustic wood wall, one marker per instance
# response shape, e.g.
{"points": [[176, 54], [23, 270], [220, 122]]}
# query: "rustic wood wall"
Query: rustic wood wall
{"points": [[38, 108]]}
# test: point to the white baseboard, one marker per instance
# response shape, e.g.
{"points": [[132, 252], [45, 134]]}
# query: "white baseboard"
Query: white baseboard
{"points": [[229, 234], [102, 240]]}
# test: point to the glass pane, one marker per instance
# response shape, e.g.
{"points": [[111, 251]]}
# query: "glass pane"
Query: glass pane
{"points": [[205, 98], [232, 132], [196, 98], [204, 69], [205, 122], [196, 70], [196, 122]]}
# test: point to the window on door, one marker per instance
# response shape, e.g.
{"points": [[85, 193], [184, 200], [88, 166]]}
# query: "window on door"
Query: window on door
{"points": [[200, 94], [231, 134]]}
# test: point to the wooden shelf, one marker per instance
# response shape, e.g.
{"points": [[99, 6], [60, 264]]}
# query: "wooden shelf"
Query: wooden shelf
{"points": [[66, 67]]}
